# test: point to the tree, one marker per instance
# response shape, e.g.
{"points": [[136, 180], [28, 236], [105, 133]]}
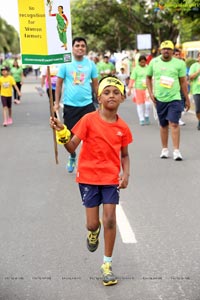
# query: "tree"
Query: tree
{"points": [[9, 38], [183, 15], [110, 24], [98, 22]]}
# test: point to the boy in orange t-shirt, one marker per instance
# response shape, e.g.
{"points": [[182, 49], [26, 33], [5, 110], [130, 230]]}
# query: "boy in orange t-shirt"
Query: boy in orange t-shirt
{"points": [[103, 154]]}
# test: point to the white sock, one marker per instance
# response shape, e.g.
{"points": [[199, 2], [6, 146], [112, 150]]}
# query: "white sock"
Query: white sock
{"points": [[147, 108], [107, 259], [140, 111]]}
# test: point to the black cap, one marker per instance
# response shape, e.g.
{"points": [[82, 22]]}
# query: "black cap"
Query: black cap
{"points": [[5, 68]]}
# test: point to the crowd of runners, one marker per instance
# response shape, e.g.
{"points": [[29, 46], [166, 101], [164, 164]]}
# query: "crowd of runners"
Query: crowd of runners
{"points": [[90, 89]]}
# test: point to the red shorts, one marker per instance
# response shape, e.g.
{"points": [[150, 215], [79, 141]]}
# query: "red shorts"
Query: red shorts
{"points": [[139, 96]]}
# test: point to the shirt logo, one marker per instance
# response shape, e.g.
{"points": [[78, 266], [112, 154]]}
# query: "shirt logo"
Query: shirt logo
{"points": [[119, 133]]}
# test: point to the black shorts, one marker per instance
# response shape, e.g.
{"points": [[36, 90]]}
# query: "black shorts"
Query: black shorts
{"points": [[197, 103], [73, 114], [6, 101]]}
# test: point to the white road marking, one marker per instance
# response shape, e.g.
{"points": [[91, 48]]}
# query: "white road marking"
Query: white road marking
{"points": [[126, 232]]}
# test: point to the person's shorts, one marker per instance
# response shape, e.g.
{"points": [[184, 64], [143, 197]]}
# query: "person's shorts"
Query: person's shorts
{"points": [[95, 195], [197, 103], [168, 112], [73, 114], [139, 96], [6, 101]]}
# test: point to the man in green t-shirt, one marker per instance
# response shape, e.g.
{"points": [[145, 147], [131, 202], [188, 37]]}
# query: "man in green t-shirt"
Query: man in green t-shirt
{"points": [[106, 68], [166, 75], [194, 76]]}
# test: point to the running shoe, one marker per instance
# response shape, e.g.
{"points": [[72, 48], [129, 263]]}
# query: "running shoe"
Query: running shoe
{"points": [[40, 90], [147, 121], [71, 164], [177, 155], [93, 239], [181, 123], [142, 123], [17, 101], [164, 153], [107, 275], [10, 121], [5, 123]]}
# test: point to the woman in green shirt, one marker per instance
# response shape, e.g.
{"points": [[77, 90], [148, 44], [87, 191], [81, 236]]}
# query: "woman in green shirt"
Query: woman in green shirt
{"points": [[140, 97], [17, 73], [194, 76]]}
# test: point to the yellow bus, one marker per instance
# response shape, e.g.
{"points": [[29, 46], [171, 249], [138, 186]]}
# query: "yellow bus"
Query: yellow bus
{"points": [[190, 49]]}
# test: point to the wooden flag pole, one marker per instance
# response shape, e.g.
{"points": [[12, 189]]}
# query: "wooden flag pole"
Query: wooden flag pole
{"points": [[52, 113]]}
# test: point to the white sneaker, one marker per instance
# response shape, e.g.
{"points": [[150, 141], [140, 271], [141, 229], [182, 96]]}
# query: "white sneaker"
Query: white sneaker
{"points": [[177, 155], [164, 153], [181, 123]]}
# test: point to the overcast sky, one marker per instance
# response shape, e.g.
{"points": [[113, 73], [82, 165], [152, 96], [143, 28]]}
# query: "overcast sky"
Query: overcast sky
{"points": [[9, 12]]}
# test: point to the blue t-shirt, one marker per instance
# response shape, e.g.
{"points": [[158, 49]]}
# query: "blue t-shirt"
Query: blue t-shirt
{"points": [[77, 77]]}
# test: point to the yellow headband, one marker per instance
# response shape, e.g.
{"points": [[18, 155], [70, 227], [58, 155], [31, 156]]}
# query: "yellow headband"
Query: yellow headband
{"points": [[110, 81]]}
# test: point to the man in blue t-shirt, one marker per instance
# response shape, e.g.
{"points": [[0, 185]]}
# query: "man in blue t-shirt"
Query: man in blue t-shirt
{"points": [[80, 79]]}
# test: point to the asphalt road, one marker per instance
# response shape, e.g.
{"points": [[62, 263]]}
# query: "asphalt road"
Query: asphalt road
{"points": [[43, 254]]}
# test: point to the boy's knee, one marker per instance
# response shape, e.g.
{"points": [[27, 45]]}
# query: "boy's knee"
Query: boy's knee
{"points": [[92, 226], [110, 222]]}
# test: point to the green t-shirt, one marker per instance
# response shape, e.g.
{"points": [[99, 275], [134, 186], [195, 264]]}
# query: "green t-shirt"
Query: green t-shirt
{"points": [[106, 68], [17, 73], [195, 83], [98, 65], [166, 76], [139, 75]]}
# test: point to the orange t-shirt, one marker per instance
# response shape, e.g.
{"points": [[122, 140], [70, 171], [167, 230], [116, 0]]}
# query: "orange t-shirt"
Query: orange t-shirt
{"points": [[99, 160]]}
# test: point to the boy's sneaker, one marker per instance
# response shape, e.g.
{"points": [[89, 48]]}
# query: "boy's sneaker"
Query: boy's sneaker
{"points": [[10, 121], [93, 239], [177, 155], [107, 275], [71, 164], [147, 121], [164, 153]]}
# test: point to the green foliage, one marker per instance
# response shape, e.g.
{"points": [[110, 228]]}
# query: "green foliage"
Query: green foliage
{"points": [[9, 38], [97, 21], [114, 25], [189, 62]]}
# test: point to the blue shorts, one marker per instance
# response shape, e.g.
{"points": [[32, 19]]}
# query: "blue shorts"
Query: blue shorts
{"points": [[95, 195], [168, 112]]}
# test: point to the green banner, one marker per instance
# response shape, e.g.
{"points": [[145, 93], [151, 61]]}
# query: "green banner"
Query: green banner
{"points": [[29, 59]]}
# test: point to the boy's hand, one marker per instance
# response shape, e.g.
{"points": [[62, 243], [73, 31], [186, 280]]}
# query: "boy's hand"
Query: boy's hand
{"points": [[123, 181], [56, 124], [63, 135]]}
